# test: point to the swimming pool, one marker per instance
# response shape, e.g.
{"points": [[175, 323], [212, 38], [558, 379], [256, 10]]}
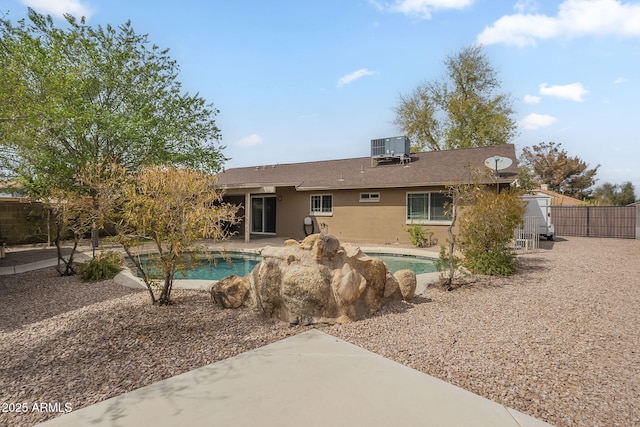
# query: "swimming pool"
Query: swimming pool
{"points": [[417, 264], [241, 264], [216, 268]]}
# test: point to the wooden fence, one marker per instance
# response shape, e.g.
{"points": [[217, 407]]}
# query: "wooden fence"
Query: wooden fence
{"points": [[595, 221]]}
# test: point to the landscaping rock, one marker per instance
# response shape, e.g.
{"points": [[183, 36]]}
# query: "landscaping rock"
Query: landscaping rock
{"points": [[407, 282], [230, 292], [320, 281]]}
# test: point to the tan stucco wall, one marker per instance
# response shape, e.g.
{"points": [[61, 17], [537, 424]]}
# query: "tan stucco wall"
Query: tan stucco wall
{"points": [[380, 222]]}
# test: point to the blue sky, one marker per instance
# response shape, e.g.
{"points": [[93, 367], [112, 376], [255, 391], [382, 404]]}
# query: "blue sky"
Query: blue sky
{"points": [[299, 80]]}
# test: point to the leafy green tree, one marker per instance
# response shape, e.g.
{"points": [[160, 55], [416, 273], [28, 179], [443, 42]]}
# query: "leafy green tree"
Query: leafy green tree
{"points": [[80, 99], [174, 208], [615, 194], [526, 179], [76, 95], [564, 174], [465, 109]]}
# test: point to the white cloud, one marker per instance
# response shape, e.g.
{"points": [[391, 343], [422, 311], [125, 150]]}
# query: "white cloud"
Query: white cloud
{"points": [[572, 92], [531, 99], [575, 18], [523, 6], [536, 121], [420, 8], [250, 141], [350, 78], [59, 8], [619, 80]]}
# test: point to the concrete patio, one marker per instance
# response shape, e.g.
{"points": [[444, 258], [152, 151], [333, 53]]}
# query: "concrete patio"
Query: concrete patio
{"points": [[311, 379]]}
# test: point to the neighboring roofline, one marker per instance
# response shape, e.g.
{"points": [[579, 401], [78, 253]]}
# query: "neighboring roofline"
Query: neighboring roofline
{"points": [[557, 195]]}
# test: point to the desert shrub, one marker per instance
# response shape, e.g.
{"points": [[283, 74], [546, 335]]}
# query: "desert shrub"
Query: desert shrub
{"points": [[496, 263], [486, 230], [447, 263], [419, 236], [104, 266], [175, 208]]}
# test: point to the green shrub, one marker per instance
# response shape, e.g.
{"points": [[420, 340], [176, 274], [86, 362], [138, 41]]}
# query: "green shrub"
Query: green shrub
{"points": [[419, 236], [104, 266], [495, 263], [486, 229]]}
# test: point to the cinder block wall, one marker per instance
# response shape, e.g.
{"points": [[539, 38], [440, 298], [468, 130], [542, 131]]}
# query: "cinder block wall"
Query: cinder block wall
{"points": [[22, 223]]}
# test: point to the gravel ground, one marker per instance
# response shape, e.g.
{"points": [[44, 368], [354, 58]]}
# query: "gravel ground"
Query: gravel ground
{"points": [[560, 340]]}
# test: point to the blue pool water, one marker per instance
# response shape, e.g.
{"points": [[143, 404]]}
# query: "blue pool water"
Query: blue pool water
{"points": [[242, 263], [396, 262], [218, 268]]}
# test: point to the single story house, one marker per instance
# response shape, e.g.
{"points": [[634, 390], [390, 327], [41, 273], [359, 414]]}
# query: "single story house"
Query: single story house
{"points": [[364, 200]]}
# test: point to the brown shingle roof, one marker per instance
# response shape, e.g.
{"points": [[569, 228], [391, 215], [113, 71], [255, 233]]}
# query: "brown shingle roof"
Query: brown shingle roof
{"points": [[426, 169]]}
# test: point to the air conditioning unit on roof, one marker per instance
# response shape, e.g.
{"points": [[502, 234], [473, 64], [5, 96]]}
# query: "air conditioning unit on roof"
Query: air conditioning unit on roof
{"points": [[397, 147]]}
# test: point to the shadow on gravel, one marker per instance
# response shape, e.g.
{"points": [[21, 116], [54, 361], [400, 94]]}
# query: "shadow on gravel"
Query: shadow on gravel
{"points": [[475, 281], [548, 245], [419, 299], [41, 294], [531, 263]]}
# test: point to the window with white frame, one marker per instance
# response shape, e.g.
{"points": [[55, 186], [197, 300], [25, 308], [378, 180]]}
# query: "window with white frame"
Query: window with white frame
{"points": [[426, 207], [322, 204], [369, 197]]}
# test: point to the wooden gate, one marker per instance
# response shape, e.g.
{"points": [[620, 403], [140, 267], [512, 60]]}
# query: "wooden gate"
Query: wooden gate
{"points": [[594, 221]]}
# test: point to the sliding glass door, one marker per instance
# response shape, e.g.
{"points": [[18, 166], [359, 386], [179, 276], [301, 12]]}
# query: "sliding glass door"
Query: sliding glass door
{"points": [[263, 214]]}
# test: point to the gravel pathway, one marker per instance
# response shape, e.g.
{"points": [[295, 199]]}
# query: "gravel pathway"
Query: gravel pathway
{"points": [[559, 341]]}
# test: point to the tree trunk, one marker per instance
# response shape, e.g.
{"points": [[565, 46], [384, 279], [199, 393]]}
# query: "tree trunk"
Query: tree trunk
{"points": [[452, 247], [68, 264], [165, 296], [145, 278]]}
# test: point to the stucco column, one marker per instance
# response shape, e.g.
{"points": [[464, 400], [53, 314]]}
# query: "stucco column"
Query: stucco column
{"points": [[247, 217]]}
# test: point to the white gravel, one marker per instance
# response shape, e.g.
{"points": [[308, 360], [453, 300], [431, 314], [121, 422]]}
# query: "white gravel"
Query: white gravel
{"points": [[559, 341]]}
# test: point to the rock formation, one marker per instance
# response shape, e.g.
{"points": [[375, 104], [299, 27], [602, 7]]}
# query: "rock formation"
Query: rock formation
{"points": [[316, 281]]}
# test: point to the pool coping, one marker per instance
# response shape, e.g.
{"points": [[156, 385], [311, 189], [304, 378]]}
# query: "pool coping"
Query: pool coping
{"points": [[128, 279]]}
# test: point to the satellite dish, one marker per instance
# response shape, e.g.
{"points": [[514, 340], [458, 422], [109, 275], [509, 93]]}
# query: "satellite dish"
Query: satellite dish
{"points": [[497, 163]]}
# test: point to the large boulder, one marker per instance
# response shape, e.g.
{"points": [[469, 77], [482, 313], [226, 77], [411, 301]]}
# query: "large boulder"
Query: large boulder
{"points": [[230, 292], [407, 283], [320, 281]]}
